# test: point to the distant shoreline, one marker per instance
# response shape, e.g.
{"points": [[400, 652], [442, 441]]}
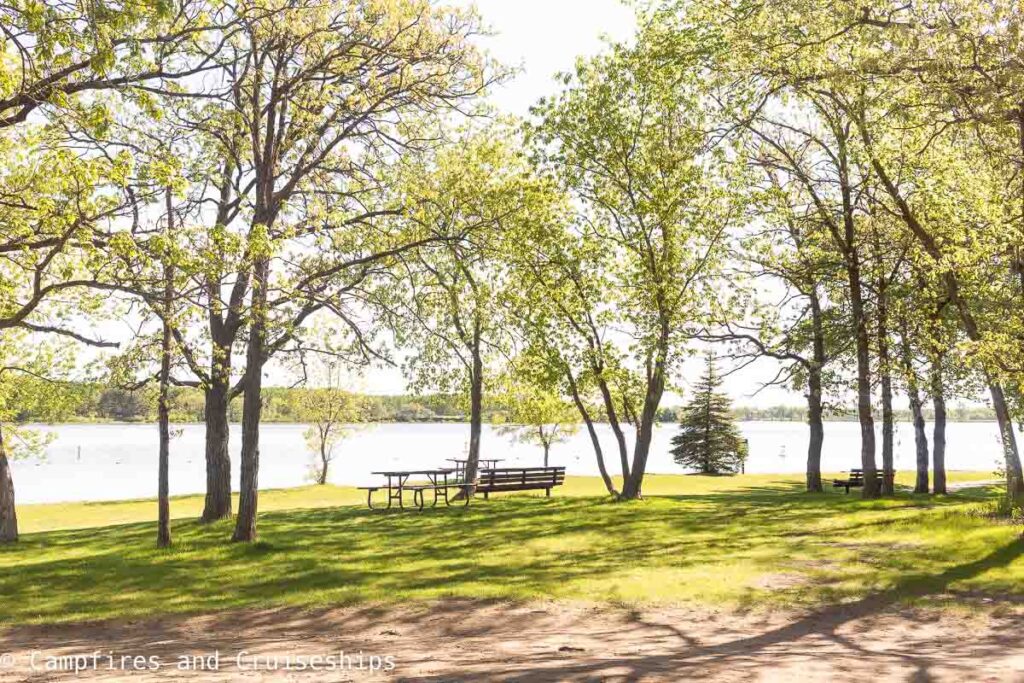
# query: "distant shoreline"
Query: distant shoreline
{"points": [[461, 421]]}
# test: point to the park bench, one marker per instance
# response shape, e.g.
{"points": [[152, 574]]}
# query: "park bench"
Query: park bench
{"points": [[500, 480], [856, 480]]}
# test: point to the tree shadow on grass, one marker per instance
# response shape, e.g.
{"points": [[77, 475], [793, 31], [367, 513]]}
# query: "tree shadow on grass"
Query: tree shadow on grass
{"points": [[513, 547]]}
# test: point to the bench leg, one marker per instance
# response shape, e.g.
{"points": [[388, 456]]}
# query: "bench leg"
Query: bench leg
{"points": [[417, 499], [547, 493], [487, 496]]}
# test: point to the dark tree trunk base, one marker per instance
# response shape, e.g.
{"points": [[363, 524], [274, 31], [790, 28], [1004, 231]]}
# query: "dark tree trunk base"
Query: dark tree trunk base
{"points": [[218, 459], [8, 511]]}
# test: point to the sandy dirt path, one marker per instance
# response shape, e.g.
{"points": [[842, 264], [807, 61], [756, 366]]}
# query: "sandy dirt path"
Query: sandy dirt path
{"points": [[462, 640]]}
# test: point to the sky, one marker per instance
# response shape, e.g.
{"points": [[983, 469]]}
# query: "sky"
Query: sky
{"points": [[545, 37]]}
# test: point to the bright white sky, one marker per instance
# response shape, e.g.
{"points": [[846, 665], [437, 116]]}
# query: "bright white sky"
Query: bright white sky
{"points": [[545, 37]]}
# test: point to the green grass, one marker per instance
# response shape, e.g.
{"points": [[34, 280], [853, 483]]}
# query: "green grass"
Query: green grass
{"points": [[742, 542]]}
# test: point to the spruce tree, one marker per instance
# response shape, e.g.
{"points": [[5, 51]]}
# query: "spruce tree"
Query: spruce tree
{"points": [[708, 439]]}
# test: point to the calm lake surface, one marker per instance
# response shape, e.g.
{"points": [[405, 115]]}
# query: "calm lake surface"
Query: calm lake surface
{"points": [[118, 461]]}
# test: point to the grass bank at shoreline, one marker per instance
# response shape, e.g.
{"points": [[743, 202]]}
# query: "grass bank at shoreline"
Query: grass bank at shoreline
{"points": [[754, 541]]}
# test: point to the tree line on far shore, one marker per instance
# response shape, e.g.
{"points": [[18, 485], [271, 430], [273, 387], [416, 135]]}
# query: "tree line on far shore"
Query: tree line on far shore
{"points": [[87, 403]]}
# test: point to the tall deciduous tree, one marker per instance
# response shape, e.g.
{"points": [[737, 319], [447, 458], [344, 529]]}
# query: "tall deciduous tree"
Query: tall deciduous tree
{"points": [[538, 415], [629, 139], [476, 200], [28, 368], [332, 410], [322, 94]]}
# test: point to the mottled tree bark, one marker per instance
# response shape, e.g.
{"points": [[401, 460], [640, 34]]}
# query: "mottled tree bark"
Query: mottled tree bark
{"points": [[866, 419], [916, 411], [939, 433], [632, 488], [817, 427], [1014, 475], [594, 439], [815, 418], [8, 512], [252, 407], [885, 380], [163, 535], [218, 456], [476, 400], [217, 394]]}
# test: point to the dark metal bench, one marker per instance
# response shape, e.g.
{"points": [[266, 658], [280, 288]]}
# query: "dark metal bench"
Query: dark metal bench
{"points": [[856, 479], [500, 480]]}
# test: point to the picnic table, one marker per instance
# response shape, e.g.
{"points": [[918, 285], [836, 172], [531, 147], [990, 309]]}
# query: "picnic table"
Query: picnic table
{"points": [[490, 480], [485, 464], [398, 484]]}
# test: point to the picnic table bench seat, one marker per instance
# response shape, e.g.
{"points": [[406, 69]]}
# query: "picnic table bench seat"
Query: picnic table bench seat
{"points": [[504, 479]]}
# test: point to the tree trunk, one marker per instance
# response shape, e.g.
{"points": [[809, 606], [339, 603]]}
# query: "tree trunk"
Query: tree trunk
{"points": [[814, 408], [867, 421], [613, 422], [218, 432], [1014, 476], [163, 534], [939, 438], [916, 411], [252, 407], [817, 425], [633, 486], [476, 407], [325, 461], [476, 400], [885, 376], [594, 439], [547, 450], [8, 513]]}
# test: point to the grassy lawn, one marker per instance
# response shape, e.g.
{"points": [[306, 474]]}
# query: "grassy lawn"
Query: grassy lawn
{"points": [[752, 541]]}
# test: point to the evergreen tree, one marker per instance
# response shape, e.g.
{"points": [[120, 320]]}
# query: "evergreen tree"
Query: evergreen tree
{"points": [[708, 439]]}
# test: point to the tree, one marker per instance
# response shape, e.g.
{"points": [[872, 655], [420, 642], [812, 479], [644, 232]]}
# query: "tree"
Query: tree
{"points": [[476, 199], [324, 95], [28, 369], [59, 51], [163, 402], [539, 416], [802, 328], [620, 289], [708, 439], [332, 411]]}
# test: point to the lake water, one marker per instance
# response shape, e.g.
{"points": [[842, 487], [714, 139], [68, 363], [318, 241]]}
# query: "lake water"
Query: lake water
{"points": [[118, 461]]}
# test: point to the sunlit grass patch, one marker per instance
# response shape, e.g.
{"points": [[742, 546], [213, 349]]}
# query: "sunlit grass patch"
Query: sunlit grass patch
{"points": [[754, 542]]}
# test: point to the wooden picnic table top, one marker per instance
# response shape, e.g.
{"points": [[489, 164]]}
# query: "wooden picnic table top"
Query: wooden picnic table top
{"points": [[399, 473], [480, 460]]}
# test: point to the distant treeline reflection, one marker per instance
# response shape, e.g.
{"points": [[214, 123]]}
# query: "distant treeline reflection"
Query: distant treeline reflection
{"points": [[99, 403]]}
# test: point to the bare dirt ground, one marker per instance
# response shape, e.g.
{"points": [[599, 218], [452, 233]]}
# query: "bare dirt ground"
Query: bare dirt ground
{"points": [[463, 640]]}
